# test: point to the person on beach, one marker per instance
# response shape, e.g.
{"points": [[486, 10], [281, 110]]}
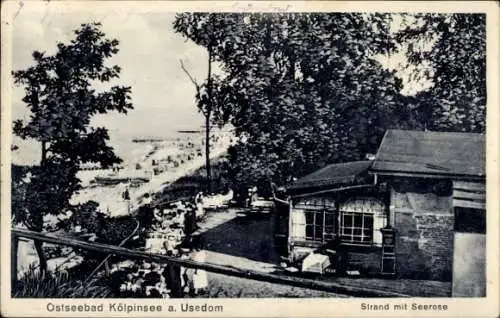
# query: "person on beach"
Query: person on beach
{"points": [[199, 205], [180, 218], [200, 279], [189, 221], [187, 278]]}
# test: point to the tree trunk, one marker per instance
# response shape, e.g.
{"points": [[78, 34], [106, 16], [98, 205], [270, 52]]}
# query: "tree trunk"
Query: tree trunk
{"points": [[13, 263], [39, 222], [207, 154], [44, 153], [207, 122], [41, 256]]}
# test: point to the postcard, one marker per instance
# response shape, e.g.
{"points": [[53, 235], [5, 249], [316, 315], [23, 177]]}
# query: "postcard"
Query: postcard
{"points": [[250, 158]]}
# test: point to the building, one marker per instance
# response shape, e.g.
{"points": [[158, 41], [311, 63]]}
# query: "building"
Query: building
{"points": [[427, 188], [437, 205], [341, 207]]}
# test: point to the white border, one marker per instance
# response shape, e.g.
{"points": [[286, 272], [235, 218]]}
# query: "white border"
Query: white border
{"points": [[458, 307]]}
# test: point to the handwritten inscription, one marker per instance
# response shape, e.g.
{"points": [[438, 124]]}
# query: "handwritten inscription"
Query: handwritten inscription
{"points": [[249, 7]]}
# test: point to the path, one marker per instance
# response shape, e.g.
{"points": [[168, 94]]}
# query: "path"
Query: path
{"points": [[232, 239]]}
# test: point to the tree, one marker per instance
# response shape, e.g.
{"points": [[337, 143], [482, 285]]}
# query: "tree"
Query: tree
{"points": [[60, 96], [456, 63], [204, 31], [302, 90]]}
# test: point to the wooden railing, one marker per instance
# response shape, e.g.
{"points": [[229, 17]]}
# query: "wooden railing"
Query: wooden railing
{"points": [[214, 268]]}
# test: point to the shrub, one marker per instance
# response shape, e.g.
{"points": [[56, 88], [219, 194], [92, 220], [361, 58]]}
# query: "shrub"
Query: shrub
{"points": [[116, 229], [57, 285]]}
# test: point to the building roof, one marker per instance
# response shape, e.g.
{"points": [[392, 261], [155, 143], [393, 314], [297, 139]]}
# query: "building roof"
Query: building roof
{"points": [[419, 153], [334, 174]]}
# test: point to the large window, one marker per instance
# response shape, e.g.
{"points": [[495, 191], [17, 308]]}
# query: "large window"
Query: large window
{"points": [[313, 220], [320, 225], [357, 227], [361, 220]]}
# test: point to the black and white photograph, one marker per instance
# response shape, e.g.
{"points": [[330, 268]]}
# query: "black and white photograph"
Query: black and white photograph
{"points": [[245, 154]]}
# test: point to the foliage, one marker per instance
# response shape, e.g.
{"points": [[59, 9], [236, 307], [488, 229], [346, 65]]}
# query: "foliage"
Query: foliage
{"points": [[457, 69], [57, 285], [295, 86], [116, 229], [89, 217], [303, 89], [60, 96], [45, 189]]}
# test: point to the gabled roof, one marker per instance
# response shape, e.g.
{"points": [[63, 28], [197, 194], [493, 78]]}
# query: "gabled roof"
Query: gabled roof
{"points": [[419, 153], [334, 174]]}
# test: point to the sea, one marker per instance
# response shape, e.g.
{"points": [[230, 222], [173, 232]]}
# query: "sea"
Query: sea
{"points": [[126, 146], [28, 152]]}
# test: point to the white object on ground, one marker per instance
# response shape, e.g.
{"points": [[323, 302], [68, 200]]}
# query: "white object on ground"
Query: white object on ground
{"points": [[261, 205], [292, 269], [217, 201], [200, 279], [315, 263], [261, 202], [353, 273]]}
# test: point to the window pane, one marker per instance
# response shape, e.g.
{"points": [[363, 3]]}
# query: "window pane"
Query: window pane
{"points": [[329, 229], [357, 232], [348, 221], [358, 221], [319, 233], [309, 217], [329, 219], [319, 218], [346, 238], [368, 222], [309, 231], [347, 231]]}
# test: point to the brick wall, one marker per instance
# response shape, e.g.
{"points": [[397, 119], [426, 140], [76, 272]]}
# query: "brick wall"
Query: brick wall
{"points": [[424, 242], [436, 243], [367, 261]]}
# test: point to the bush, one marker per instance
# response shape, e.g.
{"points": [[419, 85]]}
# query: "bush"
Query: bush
{"points": [[116, 229], [57, 285], [88, 216]]}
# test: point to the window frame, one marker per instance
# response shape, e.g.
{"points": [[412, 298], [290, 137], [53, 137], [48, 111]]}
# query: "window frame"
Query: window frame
{"points": [[380, 214], [315, 209], [352, 228]]}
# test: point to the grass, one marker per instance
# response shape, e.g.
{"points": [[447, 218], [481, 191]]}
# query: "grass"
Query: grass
{"points": [[57, 285]]}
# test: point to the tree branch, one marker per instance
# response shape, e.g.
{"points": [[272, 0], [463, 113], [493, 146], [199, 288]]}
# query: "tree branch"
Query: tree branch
{"points": [[28, 226], [190, 77]]}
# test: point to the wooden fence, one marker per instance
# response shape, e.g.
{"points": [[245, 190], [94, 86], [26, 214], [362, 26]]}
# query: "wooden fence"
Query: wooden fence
{"points": [[214, 268]]}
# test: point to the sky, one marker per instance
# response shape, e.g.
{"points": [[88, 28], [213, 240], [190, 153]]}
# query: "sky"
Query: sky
{"points": [[162, 95]]}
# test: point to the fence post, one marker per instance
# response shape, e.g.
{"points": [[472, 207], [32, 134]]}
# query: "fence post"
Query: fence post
{"points": [[107, 270], [13, 261], [174, 282]]}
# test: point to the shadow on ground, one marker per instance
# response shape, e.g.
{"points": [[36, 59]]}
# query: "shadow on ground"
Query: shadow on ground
{"points": [[250, 237]]}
